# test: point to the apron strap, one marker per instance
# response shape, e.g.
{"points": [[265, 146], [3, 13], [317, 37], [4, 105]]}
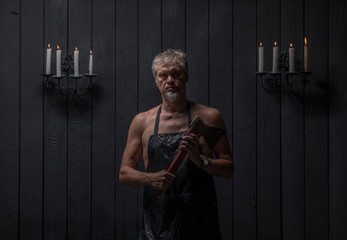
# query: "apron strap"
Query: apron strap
{"points": [[156, 126], [157, 121], [189, 116]]}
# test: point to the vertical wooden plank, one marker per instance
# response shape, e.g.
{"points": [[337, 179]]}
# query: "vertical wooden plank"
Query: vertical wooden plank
{"points": [[79, 126], [292, 130], [9, 120], [149, 47], [268, 130], [55, 131], [103, 121], [197, 50], [126, 109], [173, 24], [220, 86], [316, 122], [31, 179], [244, 124], [337, 119]]}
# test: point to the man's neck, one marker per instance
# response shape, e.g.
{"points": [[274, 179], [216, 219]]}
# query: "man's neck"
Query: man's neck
{"points": [[178, 106]]}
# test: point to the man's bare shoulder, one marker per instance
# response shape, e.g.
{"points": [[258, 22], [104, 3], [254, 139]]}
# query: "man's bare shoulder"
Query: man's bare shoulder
{"points": [[211, 116], [143, 119]]}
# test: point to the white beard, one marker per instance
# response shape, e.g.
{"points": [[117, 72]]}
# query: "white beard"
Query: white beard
{"points": [[171, 96]]}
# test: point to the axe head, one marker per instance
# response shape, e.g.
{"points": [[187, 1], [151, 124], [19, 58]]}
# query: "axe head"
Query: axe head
{"points": [[211, 134]]}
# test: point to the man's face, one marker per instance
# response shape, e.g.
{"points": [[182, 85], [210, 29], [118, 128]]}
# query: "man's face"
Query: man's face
{"points": [[171, 80]]}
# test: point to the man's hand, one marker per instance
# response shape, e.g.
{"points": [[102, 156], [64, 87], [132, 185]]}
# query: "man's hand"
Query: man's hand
{"points": [[161, 180], [190, 143]]}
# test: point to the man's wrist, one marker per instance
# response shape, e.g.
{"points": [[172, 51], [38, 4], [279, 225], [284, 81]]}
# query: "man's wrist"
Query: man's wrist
{"points": [[204, 161], [149, 179]]}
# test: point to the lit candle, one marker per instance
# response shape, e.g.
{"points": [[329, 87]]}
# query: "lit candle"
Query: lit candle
{"points": [[58, 61], [75, 62], [48, 59], [305, 56], [275, 58], [291, 58], [91, 62], [261, 58]]}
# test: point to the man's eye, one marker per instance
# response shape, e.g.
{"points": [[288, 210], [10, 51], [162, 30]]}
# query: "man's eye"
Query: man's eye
{"points": [[163, 76], [176, 75]]}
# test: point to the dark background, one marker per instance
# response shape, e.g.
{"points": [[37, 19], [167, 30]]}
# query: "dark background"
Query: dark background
{"points": [[60, 156]]}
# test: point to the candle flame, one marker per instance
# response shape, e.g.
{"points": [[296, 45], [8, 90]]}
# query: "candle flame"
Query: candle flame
{"points": [[305, 41], [49, 45], [275, 44], [260, 44], [75, 48], [91, 52], [291, 45], [58, 47]]}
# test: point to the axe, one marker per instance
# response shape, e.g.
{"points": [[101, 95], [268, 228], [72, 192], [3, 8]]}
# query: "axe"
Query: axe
{"points": [[211, 135]]}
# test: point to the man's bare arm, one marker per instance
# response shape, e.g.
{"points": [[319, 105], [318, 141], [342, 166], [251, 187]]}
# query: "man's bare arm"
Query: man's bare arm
{"points": [[223, 165], [128, 173]]}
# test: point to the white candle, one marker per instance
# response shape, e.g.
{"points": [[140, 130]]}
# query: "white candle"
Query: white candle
{"points": [[58, 61], [75, 62], [305, 56], [275, 58], [48, 59], [291, 58], [91, 63], [261, 58]]}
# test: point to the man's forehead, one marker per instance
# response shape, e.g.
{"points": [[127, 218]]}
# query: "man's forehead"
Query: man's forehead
{"points": [[168, 66]]}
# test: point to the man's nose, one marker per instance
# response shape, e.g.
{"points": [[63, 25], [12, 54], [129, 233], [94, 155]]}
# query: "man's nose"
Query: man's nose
{"points": [[170, 79]]}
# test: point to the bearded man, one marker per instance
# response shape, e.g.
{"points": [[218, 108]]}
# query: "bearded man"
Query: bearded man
{"points": [[187, 208]]}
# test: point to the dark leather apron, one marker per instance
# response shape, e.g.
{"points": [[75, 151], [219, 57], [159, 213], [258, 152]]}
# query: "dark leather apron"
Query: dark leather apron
{"points": [[188, 209]]}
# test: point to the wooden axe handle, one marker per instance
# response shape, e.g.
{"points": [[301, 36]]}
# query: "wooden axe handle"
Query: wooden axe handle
{"points": [[178, 159]]}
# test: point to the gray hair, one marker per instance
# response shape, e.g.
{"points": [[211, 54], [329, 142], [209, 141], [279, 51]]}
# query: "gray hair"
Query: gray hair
{"points": [[170, 56]]}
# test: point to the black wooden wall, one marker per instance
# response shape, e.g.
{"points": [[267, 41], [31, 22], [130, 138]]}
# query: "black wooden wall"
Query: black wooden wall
{"points": [[60, 156]]}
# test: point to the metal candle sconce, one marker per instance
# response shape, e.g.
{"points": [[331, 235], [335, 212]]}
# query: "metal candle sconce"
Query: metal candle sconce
{"points": [[58, 89], [283, 80]]}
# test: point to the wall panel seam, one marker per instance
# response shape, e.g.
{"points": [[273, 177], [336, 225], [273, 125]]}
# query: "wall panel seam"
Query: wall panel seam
{"points": [[138, 99], [232, 115], [67, 125], [328, 119], [19, 115], [44, 122], [115, 117]]}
